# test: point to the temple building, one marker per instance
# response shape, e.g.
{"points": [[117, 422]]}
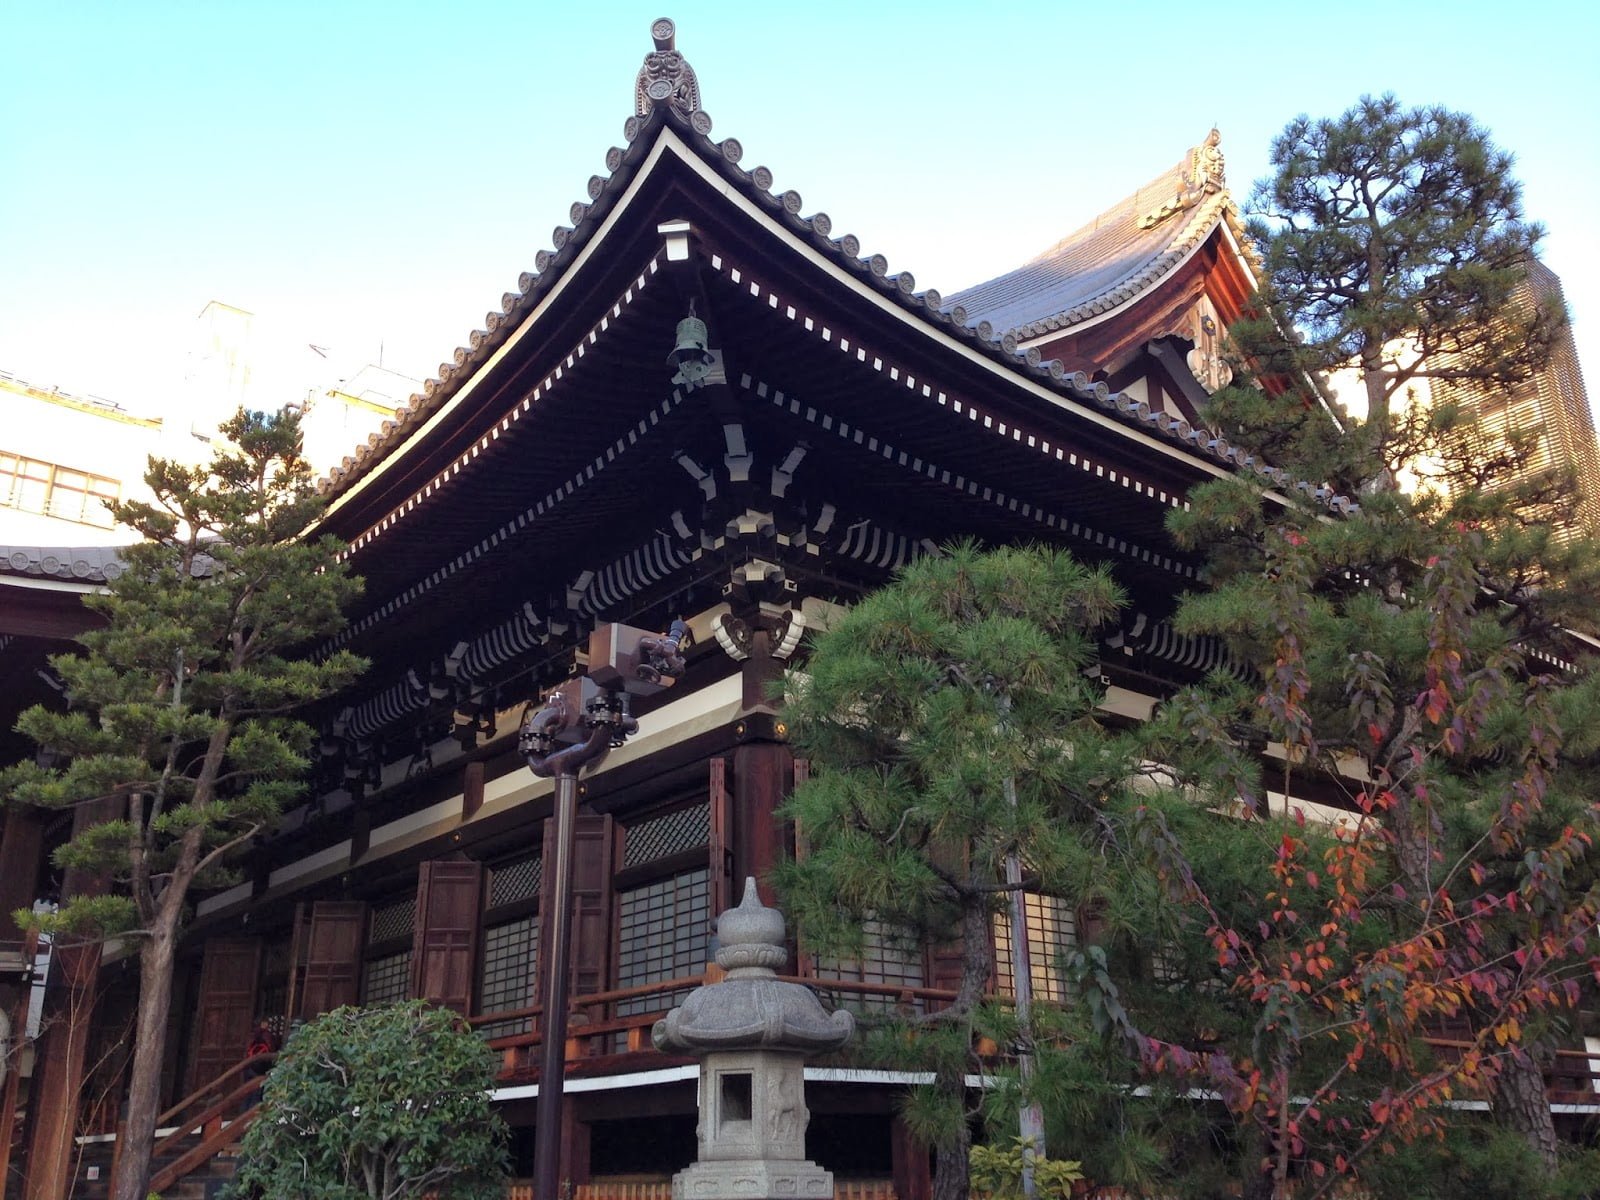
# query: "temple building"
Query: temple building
{"points": [[701, 401]]}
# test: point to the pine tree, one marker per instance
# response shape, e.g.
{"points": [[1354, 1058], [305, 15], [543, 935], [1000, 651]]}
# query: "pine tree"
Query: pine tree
{"points": [[949, 724], [180, 711], [1419, 655], [1392, 240]]}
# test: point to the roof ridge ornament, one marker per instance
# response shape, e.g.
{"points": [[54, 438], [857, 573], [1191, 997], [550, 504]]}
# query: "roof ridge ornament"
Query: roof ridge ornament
{"points": [[665, 76], [1205, 176]]}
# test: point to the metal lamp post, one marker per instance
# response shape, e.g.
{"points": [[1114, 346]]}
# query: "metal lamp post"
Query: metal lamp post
{"points": [[577, 727]]}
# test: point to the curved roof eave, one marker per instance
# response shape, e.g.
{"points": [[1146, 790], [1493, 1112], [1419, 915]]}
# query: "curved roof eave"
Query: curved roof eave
{"points": [[666, 130]]}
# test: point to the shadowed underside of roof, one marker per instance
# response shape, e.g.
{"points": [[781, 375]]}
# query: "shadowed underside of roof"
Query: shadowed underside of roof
{"points": [[1113, 258]]}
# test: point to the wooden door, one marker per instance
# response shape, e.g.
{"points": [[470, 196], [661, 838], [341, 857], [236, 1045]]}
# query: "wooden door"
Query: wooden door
{"points": [[229, 975], [444, 948], [334, 944]]}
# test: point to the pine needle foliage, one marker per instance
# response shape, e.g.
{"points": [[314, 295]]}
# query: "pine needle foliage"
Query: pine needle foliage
{"points": [[181, 715], [1419, 663], [949, 721], [1392, 239]]}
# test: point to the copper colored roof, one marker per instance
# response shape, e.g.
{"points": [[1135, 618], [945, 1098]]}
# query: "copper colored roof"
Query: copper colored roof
{"points": [[1117, 256]]}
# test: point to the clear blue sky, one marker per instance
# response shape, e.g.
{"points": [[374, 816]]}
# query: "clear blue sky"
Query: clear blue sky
{"points": [[364, 173]]}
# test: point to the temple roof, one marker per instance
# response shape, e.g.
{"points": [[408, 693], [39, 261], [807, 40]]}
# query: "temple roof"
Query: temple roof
{"points": [[1117, 256], [86, 565], [1161, 224]]}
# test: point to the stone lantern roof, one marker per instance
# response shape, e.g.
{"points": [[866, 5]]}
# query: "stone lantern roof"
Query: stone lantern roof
{"points": [[752, 1009]]}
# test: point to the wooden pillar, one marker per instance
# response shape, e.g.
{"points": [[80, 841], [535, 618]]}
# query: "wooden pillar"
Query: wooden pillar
{"points": [[18, 1016], [21, 856], [909, 1163], [57, 1087], [574, 1147], [56, 1092], [763, 768]]}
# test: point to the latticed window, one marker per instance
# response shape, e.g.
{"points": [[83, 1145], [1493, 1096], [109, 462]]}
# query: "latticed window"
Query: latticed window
{"points": [[394, 920], [515, 881], [662, 927], [1052, 933], [505, 980], [388, 979], [885, 959], [666, 835]]}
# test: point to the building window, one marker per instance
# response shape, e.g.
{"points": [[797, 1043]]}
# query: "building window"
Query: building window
{"points": [[505, 980], [512, 882], [885, 959], [666, 835], [56, 491], [395, 920], [662, 928], [506, 970], [1052, 934], [388, 979]]}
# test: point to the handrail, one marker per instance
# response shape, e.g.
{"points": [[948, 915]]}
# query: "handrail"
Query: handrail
{"points": [[210, 1086], [1579, 1068], [203, 1152], [871, 989], [203, 1118], [590, 999]]}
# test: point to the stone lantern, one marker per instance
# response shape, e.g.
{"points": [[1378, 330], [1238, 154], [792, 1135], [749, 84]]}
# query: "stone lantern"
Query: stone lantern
{"points": [[752, 1033]]}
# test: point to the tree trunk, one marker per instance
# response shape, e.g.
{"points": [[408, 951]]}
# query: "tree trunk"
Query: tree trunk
{"points": [[149, 1050], [1520, 1102], [951, 1165]]}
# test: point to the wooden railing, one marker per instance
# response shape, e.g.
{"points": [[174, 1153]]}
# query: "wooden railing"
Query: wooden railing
{"points": [[17, 957], [1573, 1077], [219, 1111], [594, 1030]]}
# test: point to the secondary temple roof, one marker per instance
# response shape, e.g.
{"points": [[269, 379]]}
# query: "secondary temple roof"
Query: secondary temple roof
{"points": [[1121, 253]]}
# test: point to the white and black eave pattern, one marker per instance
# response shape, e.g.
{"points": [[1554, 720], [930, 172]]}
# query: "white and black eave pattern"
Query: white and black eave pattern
{"points": [[958, 482], [1203, 654], [987, 421], [635, 571], [521, 634], [388, 706], [512, 415], [513, 527], [509, 640]]}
